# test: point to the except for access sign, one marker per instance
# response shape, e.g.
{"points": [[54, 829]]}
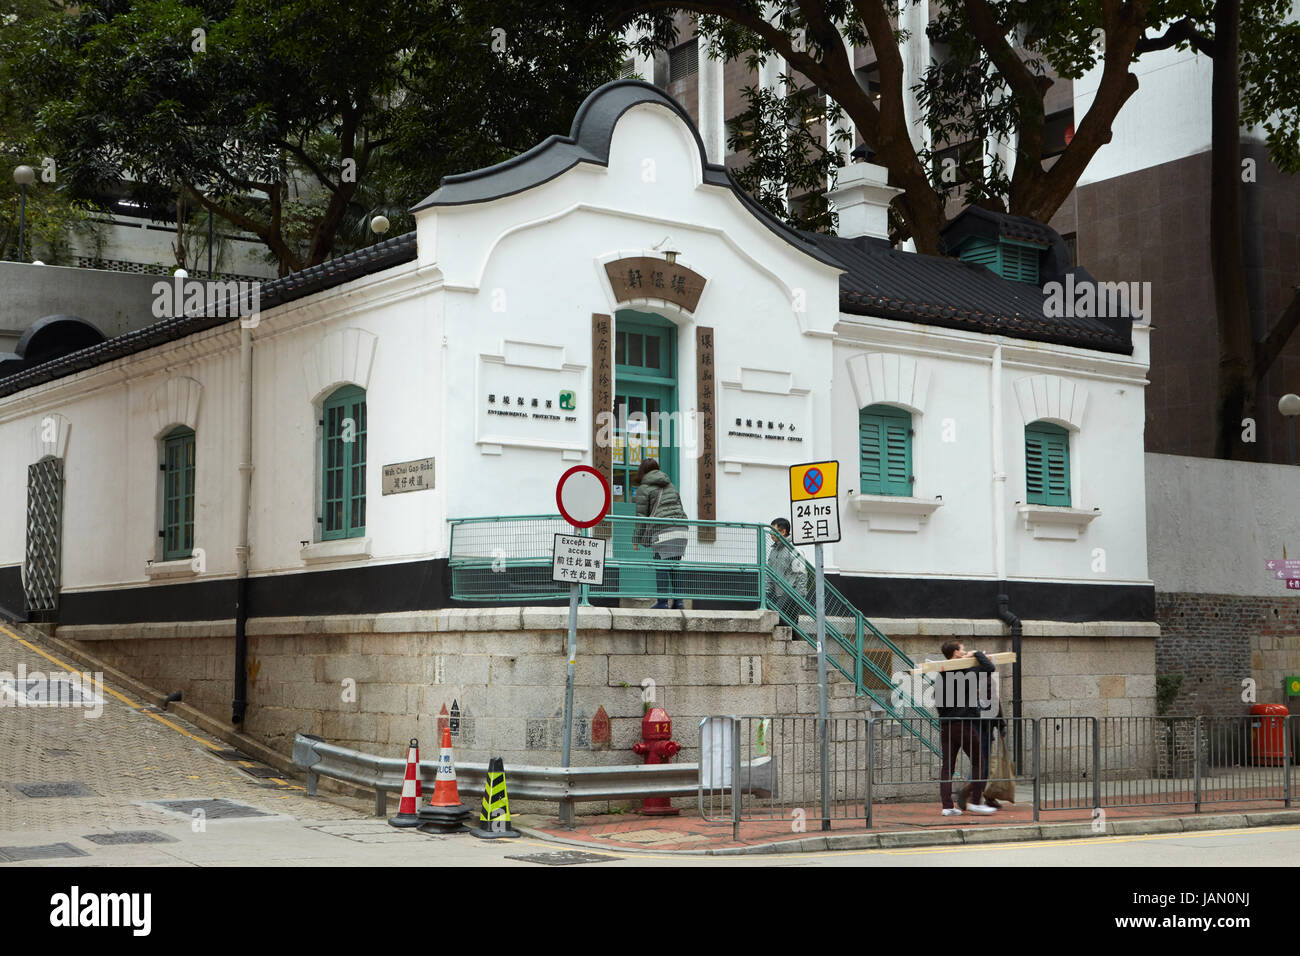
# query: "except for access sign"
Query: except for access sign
{"points": [[815, 503], [578, 560]]}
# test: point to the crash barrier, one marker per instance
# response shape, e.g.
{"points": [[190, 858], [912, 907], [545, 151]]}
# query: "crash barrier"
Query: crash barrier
{"points": [[1069, 763], [564, 786]]}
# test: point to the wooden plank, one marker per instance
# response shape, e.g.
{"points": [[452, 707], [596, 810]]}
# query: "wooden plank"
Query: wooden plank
{"points": [[958, 664]]}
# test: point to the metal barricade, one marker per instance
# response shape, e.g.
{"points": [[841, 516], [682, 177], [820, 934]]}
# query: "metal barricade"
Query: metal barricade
{"points": [[777, 761], [907, 762]]}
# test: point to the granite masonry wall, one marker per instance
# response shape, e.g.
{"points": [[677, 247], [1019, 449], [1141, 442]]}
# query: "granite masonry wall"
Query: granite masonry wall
{"points": [[372, 683]]}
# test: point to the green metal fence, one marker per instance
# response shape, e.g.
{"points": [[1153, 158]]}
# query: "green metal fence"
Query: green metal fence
{"points": [[508, 559]]}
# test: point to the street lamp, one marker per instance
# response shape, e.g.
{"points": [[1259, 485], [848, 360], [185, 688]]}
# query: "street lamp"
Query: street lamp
{"points": [[23, 176], [379, 225], [1289, 405]]}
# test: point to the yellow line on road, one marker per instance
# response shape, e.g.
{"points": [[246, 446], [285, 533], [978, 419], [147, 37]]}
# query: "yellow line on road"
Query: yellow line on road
{"points": [[108, 690]]}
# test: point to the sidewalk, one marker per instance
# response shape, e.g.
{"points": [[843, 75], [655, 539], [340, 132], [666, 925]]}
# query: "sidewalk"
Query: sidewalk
{"points": [[895, 825]]}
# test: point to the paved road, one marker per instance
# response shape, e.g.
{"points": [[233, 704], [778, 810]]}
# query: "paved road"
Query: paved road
{"points": [[130, 759]]}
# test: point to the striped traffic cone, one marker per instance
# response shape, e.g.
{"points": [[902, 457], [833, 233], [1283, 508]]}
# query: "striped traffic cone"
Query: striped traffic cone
{"points": [[494, 818], [406, 810], [444, 813]]}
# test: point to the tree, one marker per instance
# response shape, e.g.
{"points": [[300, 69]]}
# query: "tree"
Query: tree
{"points": [[1254, 51], [51, 213], [271, 114], [997, 63]]}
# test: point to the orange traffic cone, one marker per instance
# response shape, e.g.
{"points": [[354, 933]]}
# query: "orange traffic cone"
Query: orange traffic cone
{"points": [[444, 813], [406, 810]]}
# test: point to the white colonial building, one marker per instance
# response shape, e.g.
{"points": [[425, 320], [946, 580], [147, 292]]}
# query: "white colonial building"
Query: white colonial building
{"points": [[458, 371]]}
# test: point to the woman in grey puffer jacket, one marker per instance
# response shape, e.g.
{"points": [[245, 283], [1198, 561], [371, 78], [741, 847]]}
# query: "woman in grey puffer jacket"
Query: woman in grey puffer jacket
{"points": [[657, 497]]}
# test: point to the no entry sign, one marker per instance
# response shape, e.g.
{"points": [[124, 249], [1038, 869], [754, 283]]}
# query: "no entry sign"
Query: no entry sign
{"points": [[582, 495]]}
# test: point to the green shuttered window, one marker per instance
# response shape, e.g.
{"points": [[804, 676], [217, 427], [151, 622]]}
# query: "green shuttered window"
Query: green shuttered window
{"points": [[343, 466], [1017, 261], [885, 440], [1047, 464], [178, 494]]}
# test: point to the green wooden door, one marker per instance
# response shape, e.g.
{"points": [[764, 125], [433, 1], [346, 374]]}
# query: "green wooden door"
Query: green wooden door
{"points": [[645, 405]]}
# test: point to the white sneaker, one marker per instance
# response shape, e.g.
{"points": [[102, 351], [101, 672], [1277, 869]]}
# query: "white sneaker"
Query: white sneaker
{"points": [[951, 812], [980, 807]]}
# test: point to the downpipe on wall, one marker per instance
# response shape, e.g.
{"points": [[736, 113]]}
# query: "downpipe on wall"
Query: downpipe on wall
{"points": [[240, 703], [1012, 621]]}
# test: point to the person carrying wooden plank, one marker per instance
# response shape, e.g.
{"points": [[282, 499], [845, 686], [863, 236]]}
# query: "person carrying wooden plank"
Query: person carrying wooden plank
{"points": [[957, 702]]}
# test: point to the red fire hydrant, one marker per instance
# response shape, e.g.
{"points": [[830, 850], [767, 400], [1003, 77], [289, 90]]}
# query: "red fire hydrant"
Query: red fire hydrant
{"points": [[657, 746]]}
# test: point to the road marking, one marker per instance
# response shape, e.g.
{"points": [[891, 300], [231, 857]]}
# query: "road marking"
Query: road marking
{"points": [[634, 855], [108, 690]]}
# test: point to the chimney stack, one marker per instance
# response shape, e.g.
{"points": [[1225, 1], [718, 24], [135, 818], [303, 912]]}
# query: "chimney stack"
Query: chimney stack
{"points": [[861, 197]]}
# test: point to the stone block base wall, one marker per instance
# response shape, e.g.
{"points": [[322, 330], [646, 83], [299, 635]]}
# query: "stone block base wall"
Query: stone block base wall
{"points": [[373, 682], [1215, 641]]}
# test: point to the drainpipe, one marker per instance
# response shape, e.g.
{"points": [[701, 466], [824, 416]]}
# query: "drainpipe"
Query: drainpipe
{"points": [[999, 488], [1010, 619], [240, 703]]}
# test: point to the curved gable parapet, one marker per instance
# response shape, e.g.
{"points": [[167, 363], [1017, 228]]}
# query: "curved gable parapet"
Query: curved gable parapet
{"points": [[589, 141]]}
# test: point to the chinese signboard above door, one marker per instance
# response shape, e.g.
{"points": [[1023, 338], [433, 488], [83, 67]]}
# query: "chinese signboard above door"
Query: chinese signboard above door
{"points": [[643, 277]]}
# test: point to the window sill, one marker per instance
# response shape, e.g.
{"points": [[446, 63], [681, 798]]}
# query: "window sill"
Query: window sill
{"points": [[180, 568], [895, 513], [1055, 523], [340, 549]]}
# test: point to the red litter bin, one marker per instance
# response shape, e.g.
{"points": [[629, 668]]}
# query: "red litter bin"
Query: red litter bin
{"points": [[1268, 740]]}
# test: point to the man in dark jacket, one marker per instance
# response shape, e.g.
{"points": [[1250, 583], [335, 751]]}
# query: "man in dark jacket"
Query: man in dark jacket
{"points": [[957, 701], [656, 498]]}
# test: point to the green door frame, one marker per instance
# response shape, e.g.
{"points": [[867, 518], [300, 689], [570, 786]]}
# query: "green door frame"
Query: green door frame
{"points": [[645, 375]]}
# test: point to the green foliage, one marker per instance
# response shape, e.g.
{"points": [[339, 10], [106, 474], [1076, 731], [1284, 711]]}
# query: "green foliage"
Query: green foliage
{"points": [[1167, 687], [784, 139], [294, 119]]}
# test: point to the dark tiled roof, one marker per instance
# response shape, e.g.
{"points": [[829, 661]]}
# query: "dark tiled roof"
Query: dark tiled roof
{"points": [[353, 265], [977, 221], [934, 290]]}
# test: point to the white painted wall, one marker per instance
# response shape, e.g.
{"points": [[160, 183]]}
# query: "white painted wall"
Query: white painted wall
{"points": [[958, 538], [519, 279], [1168, 117], [1212, 524]]}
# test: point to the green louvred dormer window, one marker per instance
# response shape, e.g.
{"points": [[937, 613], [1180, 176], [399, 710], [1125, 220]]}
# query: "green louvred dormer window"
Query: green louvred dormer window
{"points": [[885, 443], [1017, 261], [1047, 464]]}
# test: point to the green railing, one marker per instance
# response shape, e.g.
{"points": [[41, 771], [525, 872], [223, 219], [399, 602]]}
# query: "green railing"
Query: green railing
{"points": [[508, 559]]}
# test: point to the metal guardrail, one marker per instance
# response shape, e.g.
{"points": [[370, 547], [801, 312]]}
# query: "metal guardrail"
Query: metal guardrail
{"points": [[508, 558], [559, 785]]}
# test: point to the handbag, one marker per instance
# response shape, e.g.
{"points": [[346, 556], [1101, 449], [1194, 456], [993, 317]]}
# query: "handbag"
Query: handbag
{"points": [[1002, 775], [668, 536]]}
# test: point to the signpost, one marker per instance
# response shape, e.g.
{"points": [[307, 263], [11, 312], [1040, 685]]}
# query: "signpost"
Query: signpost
{"points": [[1285, 569], [815, 520], [583, 496]]}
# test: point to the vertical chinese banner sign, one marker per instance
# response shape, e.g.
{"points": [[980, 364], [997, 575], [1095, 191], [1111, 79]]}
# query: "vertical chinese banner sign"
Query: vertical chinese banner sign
{"points": [[708, 510], [602, 400]]}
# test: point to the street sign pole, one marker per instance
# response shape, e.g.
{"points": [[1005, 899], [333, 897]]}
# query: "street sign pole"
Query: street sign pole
{"points": [[821, 690], [566, 806], [583, 497]]}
